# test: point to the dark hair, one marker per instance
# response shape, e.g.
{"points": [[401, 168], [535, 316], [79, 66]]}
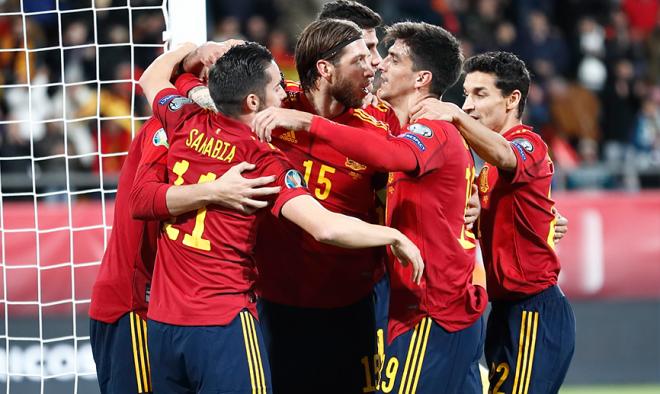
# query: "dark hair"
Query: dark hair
{"points": [[431, 48], [353, 11], [322, 39], [510, 73], [238, 73]]}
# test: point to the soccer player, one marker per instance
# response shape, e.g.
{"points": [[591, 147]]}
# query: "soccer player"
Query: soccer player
{"points": [[531, 329], [202, 331], [315, 298], [120, 294], [435, 334]]}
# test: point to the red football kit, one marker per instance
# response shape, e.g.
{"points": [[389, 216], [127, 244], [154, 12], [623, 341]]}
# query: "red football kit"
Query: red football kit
{"points": [[205, 272], [295, 269], [122, 282], [516, 225], [427, 203]]}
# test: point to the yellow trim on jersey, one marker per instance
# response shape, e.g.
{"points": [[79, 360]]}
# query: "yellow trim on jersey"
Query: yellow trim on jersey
{"points": [[526, 351], [255, 367], [360, 114], [415, 357], [140, 353]]}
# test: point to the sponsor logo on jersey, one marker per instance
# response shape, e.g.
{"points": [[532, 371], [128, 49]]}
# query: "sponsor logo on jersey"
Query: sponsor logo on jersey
{"points": [[160, 138], [420, 129], [166, 99], [289, 136], [294, 180], [416, 140], [178, 102], [354, 165]]}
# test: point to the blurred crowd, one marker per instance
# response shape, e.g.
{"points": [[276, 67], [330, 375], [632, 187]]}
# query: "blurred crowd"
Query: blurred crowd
{"points": [[595, 65]]}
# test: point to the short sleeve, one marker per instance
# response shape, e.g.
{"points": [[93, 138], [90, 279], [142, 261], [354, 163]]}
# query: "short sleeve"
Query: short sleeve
{"points": [[426, 139], [171, 109], [186, 82], [531, 156], [271, 161]]}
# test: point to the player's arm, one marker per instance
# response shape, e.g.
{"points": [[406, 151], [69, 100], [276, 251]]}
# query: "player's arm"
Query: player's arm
{"points": [[153, 199], [157, 76], [382, 152], [488, 144], [348, 232]]}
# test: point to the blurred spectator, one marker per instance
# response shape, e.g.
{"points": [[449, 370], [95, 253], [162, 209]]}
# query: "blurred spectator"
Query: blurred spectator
{"points": [[642, 15], [620, 106], [574, 110], [646, 132], [543, 47], [480, 23]]}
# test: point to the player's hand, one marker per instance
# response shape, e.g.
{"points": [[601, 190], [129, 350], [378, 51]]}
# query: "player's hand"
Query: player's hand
{"points": [[206, 55], [561, 225], [434, 109], [473, 208], [266, 121], [407, 253], [234, 191]]}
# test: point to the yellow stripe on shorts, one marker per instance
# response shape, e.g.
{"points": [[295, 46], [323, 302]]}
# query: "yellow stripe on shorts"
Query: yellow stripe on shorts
{"points": [[526, 351], [140, 353], [415, 357], [255, 367]]}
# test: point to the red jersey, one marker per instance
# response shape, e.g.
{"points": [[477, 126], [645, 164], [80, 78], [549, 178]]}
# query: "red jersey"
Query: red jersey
{"points": [[516, 225], [123, 280], [309, 273], [429, 208], [205, 271], [427, 205]]}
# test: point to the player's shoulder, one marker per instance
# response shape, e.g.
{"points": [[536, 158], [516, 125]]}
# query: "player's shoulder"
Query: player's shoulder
{"points": [[431, 128], [523, 137], [364, 116]]}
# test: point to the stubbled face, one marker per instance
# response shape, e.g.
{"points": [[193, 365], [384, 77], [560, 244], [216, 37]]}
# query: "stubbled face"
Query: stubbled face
{"points": [[371, 40], [397, 75], [353, 76], [484, 101], [274, 92]]}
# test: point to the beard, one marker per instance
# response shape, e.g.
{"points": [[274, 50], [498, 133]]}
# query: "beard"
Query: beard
{"points": [[347, 93]]}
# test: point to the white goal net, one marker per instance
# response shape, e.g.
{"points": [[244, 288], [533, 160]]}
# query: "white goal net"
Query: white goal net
{"points": [[69, 107]]}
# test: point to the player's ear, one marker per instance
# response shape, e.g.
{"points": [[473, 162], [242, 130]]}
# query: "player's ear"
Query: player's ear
{"points": [[252, 102], [513, 100], [423, 78], [324, 68]]}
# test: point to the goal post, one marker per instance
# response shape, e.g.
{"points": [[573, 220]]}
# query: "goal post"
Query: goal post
{"points": [[69, 107]]}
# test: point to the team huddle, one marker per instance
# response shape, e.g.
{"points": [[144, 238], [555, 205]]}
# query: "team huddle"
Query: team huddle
{"points": [[247, 252]]}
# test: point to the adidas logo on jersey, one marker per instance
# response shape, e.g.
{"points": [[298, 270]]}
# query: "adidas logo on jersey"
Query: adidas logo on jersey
{"points": [[289, 136]]}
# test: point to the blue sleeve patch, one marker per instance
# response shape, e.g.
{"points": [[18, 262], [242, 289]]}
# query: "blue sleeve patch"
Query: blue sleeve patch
{"points": [[293, 179], [520, 149], [166, 99], [415, 140]]}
